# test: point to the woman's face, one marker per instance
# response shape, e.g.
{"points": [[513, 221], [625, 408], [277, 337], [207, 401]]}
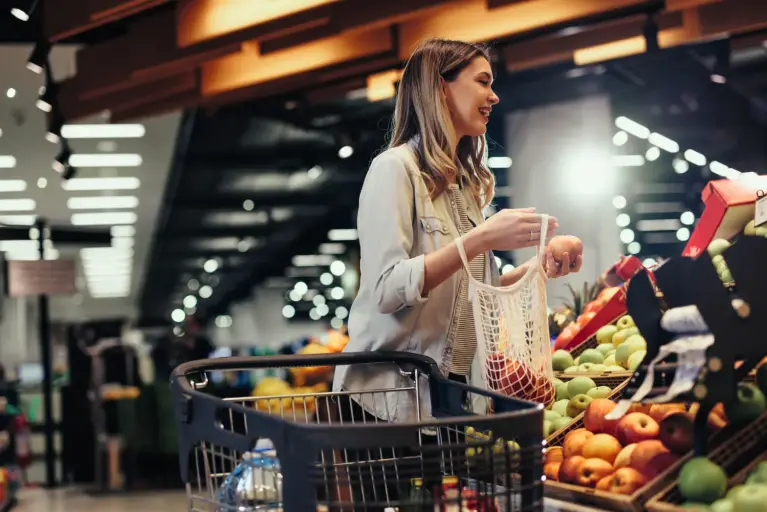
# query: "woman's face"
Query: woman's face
{"points": [[470, 98]]}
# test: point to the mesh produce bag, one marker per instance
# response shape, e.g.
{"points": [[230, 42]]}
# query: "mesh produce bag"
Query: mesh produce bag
{"points": [[513, 341]]}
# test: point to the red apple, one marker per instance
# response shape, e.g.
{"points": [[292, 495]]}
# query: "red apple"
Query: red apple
{"points": [[551, 470], [594, 417], [659, 411], [602, 446], [510, 378], [637, 427], [574, 442], [591, 471], [623, 481], [643, 455], [623, 460], [568, 470], [676, 432]]}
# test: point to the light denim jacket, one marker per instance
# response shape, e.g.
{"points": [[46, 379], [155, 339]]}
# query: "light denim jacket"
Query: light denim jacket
{"points": [[398, 224]]}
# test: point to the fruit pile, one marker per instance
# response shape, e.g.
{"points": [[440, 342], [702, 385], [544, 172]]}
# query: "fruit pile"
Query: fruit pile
{"points": [[620, 347], [516, 379], [703, 484], [476, 437], [621, 456], [572, 399], [566, 322]]}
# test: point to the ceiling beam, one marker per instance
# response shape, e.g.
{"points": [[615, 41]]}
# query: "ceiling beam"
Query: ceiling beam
{"points": [[81, 16]]}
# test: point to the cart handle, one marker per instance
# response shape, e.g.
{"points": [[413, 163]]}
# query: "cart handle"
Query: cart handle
{"points": [[403, 359]]}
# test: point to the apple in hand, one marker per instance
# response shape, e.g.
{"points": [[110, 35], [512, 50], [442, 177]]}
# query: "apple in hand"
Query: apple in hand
{"points": [[636, 427], [676, 432], [578, 404], [624, 481], [602, 446], [561, 244], [591, 471]]}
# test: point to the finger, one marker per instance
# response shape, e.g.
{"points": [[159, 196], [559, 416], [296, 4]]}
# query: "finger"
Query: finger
{"points": [[551, 265], [565, 262], [578, 263], [551, 231], [529, 209]]}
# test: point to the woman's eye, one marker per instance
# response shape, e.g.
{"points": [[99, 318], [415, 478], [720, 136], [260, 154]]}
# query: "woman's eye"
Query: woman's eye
{"points": [[484, 82]]}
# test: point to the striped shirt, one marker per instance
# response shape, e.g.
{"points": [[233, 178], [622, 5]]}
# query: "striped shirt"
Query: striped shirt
{"points": [[464, 342]]}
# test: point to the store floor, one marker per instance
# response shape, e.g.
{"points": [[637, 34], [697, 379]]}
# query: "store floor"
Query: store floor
{"points": [[73, 500]]}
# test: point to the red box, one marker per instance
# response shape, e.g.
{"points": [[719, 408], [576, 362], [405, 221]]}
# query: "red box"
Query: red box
{"points": [[617, 275], [729, 207]]}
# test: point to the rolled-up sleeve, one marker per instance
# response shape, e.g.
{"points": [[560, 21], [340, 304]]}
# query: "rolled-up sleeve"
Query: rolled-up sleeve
{"points": [[385, 225]]}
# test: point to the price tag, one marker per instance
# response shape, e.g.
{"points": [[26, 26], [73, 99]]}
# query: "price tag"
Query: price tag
{"points": [[760, 216]]}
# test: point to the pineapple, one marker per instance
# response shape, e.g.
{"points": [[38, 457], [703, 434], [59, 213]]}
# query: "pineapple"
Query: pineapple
{"points": [[573, 307]]}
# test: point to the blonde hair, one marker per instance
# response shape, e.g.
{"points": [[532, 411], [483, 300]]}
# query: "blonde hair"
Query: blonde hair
{"points": [[421, 110]]}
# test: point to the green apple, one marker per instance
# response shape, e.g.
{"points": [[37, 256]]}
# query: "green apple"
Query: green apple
{"points": [[598, 368], [592, 355], [717, 247], [615, 368], [577, 361], [560, 407], [599, 392], [696, 507], [761, 378], [547, 428], [610, 360], [733, 492], [561, 360], [605, 348], [718, 260], [636, 359], [722, 505], [561, 388], [587, 368], [702, 481], [751, 499], [750, 405], [605, 334], [571, 369], [578, 404], [625, 322], [634, 344], [623, 334], [551, 415], [725, 275], [580, 386], [561, 423], [750, 229]]}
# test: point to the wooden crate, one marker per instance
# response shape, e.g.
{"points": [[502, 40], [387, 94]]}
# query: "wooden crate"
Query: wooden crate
{"points": [[732, 455], [636, 502]]}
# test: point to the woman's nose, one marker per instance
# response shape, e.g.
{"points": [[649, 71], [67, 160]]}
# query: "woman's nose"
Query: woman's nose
{"points": [[494, 99]]}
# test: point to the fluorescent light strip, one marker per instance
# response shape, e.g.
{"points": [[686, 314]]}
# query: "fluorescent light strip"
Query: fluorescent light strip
{"points": [[499, 162], [18, 220], [101, 202], [105, 252], [724, 171], [664, 143], [105, 160], [13, 185], [122, 231], [7, 162], [103, 219], [103, 131], [17, 205], [694, 157], [658, 225], [632, 127], [119, 183], [342, 235]]}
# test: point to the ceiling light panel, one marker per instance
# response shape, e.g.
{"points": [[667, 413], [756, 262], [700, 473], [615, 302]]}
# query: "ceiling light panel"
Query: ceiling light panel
{"points": [[17, 205], [13, 185], [255, 218], [107, 271], [18, 220], [105, 160], [117, 231], [103, 219], [7, 162], [102, 202], [91, 184], [103, 131]]}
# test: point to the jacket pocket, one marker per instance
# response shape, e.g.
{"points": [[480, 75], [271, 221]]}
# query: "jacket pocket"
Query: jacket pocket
{"points": [[434, 225]]}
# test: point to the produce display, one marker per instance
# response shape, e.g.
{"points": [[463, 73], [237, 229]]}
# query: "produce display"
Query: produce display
{"points": [[703, 484], [573, 397], [621, 456], [565, 322], [619, 348], [284, 398]]}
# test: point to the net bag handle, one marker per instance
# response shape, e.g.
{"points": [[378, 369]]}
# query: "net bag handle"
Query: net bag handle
{"points": [[540, 252]]}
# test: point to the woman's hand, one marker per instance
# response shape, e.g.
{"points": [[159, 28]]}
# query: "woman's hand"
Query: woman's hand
{"points": [[559, 269], [512, 229]]}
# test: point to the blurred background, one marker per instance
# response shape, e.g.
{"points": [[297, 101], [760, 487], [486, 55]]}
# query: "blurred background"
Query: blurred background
{"points": [[190, 171]]}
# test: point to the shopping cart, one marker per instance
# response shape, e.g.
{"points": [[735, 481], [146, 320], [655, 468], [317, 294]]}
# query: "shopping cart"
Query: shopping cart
{"points": [[316, 451]]}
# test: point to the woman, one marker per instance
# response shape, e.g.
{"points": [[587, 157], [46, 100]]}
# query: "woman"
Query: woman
{"points": [[428, 188]]}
